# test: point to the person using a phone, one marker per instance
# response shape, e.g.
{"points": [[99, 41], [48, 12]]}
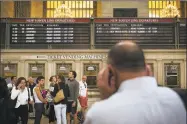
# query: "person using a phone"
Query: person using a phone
{"points": [[130, 95], [22, 95]]}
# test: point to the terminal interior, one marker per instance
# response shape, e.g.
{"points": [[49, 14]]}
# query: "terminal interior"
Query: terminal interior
{"points": [[53, 37]]}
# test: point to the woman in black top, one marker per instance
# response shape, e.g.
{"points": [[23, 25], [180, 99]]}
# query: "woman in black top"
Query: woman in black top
{"points": [[5, 117], [60, 107]]}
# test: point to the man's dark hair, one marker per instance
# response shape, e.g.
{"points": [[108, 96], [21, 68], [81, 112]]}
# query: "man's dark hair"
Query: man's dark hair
{"points": [[127, 58], [12, 77], [39, 79], [74, 73]]}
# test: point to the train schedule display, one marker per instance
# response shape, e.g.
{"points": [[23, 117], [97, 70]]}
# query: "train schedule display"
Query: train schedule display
{"points": [[50, 31], [109, 31]]}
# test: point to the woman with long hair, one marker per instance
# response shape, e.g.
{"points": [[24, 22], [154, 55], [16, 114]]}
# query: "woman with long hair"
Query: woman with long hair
{"points": [[23, 96], [60, 107], [51, 115]]}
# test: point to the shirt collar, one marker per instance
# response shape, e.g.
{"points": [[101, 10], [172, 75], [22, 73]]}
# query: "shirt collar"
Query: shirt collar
{"points": [[140, 83]]}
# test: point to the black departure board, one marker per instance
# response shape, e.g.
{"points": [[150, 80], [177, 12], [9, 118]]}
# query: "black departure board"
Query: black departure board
{"points": [[143, 31], [183, 32], [2, 34], [50, 31]]}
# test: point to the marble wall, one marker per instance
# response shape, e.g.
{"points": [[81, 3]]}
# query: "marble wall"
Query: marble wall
{"points": [[79, 57], [105, 8]]}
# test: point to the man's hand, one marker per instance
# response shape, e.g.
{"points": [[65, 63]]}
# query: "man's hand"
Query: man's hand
{"points": [[73, 104], [106, 90], [31, 102]]}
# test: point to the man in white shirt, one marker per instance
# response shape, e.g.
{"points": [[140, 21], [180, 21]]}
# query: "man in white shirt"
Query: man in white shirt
{"points": [[130, 96], [83, 95]]}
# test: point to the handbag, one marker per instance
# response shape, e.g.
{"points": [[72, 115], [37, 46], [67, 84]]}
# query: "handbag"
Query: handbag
{"points": [[30, 107], [59, 96]]}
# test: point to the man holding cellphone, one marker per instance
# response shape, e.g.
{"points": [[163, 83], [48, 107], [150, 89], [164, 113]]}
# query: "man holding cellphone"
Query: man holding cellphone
{"points": [[130, 96]]}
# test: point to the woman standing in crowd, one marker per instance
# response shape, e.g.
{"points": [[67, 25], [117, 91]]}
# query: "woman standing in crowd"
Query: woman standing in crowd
{"points": [[60, 107], [52, 117], [39, 100], [21, 93]]}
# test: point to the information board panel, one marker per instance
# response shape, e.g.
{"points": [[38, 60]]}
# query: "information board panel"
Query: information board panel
{"points": [[50, 31], [183, 32], [144, 31], [2, 34]]}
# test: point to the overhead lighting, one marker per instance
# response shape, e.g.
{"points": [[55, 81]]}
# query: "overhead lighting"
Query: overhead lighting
{"points": [[63, 11], [6, 68], [62, 68], [90, 68], [34, 68], [170, 11]]}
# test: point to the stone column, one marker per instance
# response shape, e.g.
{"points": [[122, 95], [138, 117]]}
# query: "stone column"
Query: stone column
{"points": [[36, 9], [78, 69], [49, 71], [104, 63], [7, 9], [183, 74], [21, 69], [160, 71]]}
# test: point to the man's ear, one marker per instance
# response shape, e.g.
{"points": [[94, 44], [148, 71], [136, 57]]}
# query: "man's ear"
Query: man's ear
{"points": [[112, 69], [148, 70]]}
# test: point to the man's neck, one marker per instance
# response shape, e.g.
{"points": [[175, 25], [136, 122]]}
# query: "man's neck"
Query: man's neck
{"points": [[129, 76]]}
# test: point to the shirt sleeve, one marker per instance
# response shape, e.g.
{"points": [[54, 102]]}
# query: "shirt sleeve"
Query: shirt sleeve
{"points": [[14, 93], [76, 91]]}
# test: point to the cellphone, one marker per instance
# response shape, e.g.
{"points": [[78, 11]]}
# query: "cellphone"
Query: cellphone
{"points": [[109, 77]]}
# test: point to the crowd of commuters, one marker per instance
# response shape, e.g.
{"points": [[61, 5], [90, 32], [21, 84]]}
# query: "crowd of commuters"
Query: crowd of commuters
{"points": [[129, 93], [20, 97]]}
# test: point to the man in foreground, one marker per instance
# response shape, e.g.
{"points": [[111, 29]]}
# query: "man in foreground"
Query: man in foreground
{"points": [[130, 96]]}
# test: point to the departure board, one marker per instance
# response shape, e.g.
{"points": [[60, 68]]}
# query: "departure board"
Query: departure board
{"points": [[183, 31], [143, 31], [2, 34], [50, 31]]}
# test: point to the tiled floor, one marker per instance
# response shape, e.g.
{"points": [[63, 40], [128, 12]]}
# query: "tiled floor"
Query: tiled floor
{"points": [[44, 121]]}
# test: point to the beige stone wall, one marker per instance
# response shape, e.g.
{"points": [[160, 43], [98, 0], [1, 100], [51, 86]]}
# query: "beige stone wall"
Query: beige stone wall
{"points": [[157, 57], [7, 9], [36, 9], [106, 8], [141, 5]]}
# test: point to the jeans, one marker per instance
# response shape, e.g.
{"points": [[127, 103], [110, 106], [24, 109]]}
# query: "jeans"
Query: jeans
{"points": [[39, 108], [60, 112]]}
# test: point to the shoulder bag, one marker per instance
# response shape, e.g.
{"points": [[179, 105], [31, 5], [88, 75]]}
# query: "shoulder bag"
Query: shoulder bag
{"points": [[59, 96], [30, 107]]}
